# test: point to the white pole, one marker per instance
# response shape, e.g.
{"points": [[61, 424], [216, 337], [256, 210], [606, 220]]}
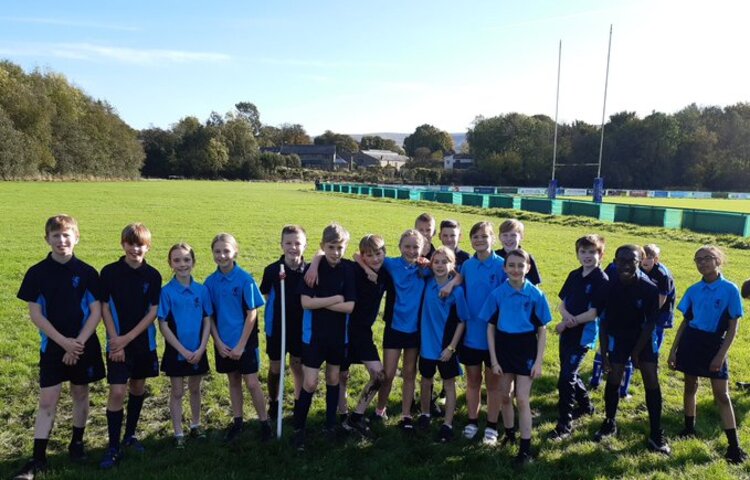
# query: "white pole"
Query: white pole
{"points": [[604, 107], [557, 104], [279, 414]]}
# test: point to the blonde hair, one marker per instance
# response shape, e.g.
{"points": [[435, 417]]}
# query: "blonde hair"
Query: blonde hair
{"points": [[512, 225], [412, 233], [447, 253], [226, 238], [60, 222], [180, 246], [651, 250]]}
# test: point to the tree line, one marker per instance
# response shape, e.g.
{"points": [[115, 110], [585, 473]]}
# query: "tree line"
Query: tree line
{"points": [[49, 128]]}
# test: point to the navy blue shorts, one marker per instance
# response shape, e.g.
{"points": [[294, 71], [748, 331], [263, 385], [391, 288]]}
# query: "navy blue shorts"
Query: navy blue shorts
{"points": [[361, 349], [398, 340], [448, 370], [695, 352], [174, 365], [248, 363], [471, 357], [314, 354], [621, 348], [293, 345], [136, 367], [516, 352], [88, 369]]}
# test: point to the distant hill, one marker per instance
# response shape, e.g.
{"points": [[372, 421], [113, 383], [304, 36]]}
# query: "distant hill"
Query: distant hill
{"points": [[458, 138]]}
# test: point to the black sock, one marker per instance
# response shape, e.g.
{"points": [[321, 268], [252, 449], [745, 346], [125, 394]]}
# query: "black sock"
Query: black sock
{"points": [[492, 425], [237, 422], [732, 437], [40, 449], [653, 403], [525, 445], [474, 421], [332, 403], [689, 423], [114, 427], [611, 399], [135, 402], [77, 434], [273, 386], [301, 409], [510, 432]]}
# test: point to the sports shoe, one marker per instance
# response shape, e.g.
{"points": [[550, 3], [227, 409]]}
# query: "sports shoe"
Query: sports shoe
{"points": [[375, 419], [111, 458], [233, 432], [133, 444], [608, 428], [583, 411], [298, 440], [179, 442], [445, 434], [77, 452], [735, 455], [522, 458], [490, 437], [658, 443], [687, 433], [508, 439], [559, 433], [470, 431], [359, 426], [30, 470], [266, 433], [423, 423], [407, 425], [197, 432]]}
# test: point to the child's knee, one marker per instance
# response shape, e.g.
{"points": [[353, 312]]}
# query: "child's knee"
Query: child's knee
{"points": [[117, 394], [177, 394]]}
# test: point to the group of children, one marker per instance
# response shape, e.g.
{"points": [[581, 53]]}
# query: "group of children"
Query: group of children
{"points": [[443, 308]]}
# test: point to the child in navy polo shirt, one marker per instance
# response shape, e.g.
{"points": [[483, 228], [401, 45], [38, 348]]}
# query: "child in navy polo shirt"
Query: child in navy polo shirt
{"points": [[517, 313], [185, 322], [583, 295], [425, 224], [450, 236], [324, 329], [130, 292], [441, 329], [236, 298], [662, 277], [482, 274], [370, 289], [293, 244], [511, 235], [401, 333], [712, 309], [63, 296], [627, 332]]}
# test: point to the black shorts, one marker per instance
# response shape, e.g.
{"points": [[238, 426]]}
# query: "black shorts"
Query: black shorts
{"points": [[88, 369], [695, 352], [137, 366], [398, 340], [248, 363], [293, 345], [448, 370], [621, 348], [174, 365], [472, 357], [516, 352], [361, 349], [314, 354]]}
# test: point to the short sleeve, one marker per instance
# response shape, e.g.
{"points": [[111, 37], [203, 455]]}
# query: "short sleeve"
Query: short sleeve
{"points": [[266, 284], [489, 310], [462, 308], [564, 291], [686, 302], [735, 303], [165, 306], [208, 308], [533, 276], [253, 297], [30, 289], [154, 289], [303, 289], [599, 293], [541, 309], [105, 284]]}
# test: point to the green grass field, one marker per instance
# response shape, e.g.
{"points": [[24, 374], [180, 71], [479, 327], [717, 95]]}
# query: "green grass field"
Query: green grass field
{"points": [[717, 204], [255, 212]]}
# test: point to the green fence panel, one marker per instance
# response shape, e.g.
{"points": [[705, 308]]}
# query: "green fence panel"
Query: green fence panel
{"points": [[345, 188], [403, 194], [503, 201], [318, 187], [415, 195], [600, 211], [389, 192], [364, 190], [376, 192], [655, 216], [542, 205], [428, 195], [716, 222], [472, 199], [336, 187], [447, 197]]}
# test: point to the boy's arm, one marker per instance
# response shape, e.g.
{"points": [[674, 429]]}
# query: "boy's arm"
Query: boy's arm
{"points": [[315, 303], [70, 345], [342, 307], [311, 275], [89, 327], [120, 342], [116, 355], [371, 274], [541, 344]]}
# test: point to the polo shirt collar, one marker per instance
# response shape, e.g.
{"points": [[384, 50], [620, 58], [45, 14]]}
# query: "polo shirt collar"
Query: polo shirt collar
{"points": [[229, 276], [713, 285], [140, 267], [69, 265], [298, 270], [180, 287], [525, 289], [493, 256]]}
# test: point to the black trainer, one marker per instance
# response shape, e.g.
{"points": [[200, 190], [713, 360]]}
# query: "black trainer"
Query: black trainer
{"points": [[522, 458], [407, 425], [359, 425], [234, 431], [77, 452], [423, 423], [687, 432], [735, 455], [559, 433], [508, 439], [298, 440], [608, 428], [658, 443], [266, 433], [445, 434], [30, 470]]}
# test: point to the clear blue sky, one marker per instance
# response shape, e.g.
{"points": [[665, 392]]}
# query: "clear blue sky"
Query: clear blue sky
{"points": [[387, 66]]}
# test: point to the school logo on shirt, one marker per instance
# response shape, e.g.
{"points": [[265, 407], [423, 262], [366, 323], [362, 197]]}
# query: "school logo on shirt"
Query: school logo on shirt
{"points": [[236, 291], [588, 289], [493, 278], [145, 287], [76, 281], [197, 302], [717, 304]]}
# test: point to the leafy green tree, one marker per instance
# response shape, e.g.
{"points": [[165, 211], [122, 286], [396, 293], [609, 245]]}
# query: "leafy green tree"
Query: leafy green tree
{"points": [[249, 113], [427, 136], [344, 143], [376, 142]]}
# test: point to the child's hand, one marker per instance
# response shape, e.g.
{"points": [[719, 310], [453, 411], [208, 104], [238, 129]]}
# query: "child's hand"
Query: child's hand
{"points": [[560, 327], [496, 369], [672, 360], [716, 363], [446, 355], [372, 276], [446, 290], [605, 363], [117, 356], [311, 277], [117, 343], [69, 359], [423, 262], [536, 370], [71, 345], [221, 348], [236, 352]]}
